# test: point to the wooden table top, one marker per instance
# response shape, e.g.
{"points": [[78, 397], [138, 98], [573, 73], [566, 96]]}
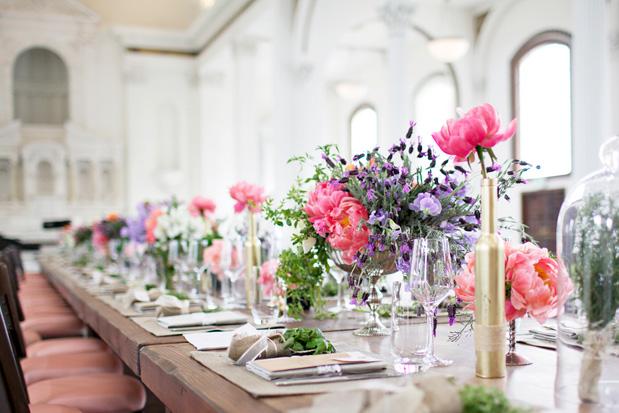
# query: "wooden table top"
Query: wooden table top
{"points": [[165, 366], [121, 334], [168, 369]]}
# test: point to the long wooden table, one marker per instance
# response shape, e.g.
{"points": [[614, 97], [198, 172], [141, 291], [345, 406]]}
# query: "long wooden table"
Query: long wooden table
{"points": [[184, 385], [121, 334]]}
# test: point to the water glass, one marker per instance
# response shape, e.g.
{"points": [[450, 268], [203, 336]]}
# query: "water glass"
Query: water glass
{"points": [[408, 335]]}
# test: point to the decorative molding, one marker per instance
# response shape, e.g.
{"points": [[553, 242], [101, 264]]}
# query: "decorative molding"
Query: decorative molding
{"points": [[48, 9], [396, 14]]}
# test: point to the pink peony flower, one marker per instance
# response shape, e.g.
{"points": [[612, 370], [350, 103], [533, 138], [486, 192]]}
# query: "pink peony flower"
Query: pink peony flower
{"points": [[201, 206], [339, 217], [532, 278], [247, 196], [478, 127], [212, 257], [267, 276], [151, 224]]}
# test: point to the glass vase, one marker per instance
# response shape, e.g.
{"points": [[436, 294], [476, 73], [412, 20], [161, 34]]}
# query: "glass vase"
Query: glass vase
{"points": [[588, 244], [369, 276], [512, 358]]}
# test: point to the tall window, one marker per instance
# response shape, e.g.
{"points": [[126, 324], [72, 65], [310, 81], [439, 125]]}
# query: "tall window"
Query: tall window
{"points": [[435, 102], [363, 129], [40, 87], [542, 102]]}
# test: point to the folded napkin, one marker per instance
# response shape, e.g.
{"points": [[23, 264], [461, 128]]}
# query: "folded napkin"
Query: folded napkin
{"points": [[139, 295], [203, 319], [215, 340]]}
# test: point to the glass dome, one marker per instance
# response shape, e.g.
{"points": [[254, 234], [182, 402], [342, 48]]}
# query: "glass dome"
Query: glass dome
{"points": [[588, 244]]}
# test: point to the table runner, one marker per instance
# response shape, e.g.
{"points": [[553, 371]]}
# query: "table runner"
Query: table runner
{"points": [[219, 362]]}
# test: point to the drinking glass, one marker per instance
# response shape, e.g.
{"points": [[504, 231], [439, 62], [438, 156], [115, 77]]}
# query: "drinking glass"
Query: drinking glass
{"points": [[431, 281], [174, 260], [200, 285], [232, 258], [408, 338]]}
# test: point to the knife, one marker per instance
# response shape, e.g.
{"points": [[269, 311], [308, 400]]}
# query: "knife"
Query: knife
{"points": [[334, 378]]}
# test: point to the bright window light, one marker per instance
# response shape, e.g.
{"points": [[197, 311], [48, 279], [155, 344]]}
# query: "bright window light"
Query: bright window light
{"points": [[544, 109], [435, 102], [363, 130]]}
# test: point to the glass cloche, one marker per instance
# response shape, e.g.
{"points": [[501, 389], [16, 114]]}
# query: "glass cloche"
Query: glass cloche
{"points": [[588, 333]]}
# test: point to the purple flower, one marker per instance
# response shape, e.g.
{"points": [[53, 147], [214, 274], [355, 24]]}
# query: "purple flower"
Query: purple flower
{"points": [[370, 195], [427, 204], [377, 217], [406, 188]]}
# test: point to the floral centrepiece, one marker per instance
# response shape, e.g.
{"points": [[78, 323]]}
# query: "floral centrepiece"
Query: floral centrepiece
{"points": [[377, 203], [174, 222], [532, 278]]}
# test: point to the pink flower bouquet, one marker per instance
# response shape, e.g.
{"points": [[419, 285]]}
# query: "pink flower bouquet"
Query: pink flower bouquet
{"points": [[212, 257], [531, 283], [247, 196], [201, 206]]}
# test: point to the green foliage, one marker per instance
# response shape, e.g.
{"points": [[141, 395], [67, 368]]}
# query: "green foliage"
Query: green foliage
{"points": [[301, 267], [480, 399], [594, 263], [302, 273], [305, 339]]}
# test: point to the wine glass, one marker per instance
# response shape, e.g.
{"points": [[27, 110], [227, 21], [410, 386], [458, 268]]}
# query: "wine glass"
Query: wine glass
{"points": [[174, 257], [431, 281], [203, 280], [232, 266]]}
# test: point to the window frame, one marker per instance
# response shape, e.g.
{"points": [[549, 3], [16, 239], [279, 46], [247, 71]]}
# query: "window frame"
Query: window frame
{"points": [[540, 39], [364, 105]]}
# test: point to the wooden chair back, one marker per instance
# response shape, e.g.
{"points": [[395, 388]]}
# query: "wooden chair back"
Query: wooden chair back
{"points": [[14, 392], [8, 301], [13, 282]]}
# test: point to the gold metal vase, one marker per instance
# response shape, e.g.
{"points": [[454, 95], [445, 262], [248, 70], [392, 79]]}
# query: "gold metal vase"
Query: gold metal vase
{"points": [[490, 326], [252, 263]]}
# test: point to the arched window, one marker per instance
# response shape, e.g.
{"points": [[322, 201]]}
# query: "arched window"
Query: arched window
{"points": [[363, 129], [40, 88], [434, 103], [45, 179], [542, 102]]}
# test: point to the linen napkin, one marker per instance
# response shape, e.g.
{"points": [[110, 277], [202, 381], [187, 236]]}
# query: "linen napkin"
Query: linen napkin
{"points": [[203, 319]]}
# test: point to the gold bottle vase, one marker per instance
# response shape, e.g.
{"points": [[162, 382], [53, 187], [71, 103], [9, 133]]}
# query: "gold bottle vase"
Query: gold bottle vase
{"points": [[252, 263], [490, 326]]}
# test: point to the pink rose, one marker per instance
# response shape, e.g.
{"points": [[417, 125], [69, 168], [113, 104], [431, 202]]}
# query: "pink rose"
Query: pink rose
{"points": [[267, 276], [201, 206], [247, 196], [532, 278], [478, 127], [339, 217]]}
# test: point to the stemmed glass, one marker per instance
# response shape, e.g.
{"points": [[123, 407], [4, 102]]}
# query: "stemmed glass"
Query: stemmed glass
{"points": [[232, 258], [201, 280], [174, 258], [431, 281]]}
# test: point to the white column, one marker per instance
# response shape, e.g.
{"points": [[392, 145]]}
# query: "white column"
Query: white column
{"points": [[283, 84], [590, 82], [396, 15], [244, 54], [613, 22]]}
